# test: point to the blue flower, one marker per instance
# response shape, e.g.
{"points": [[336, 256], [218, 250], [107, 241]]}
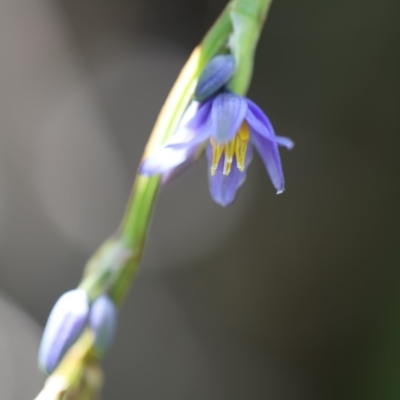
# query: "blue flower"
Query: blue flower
{"points": [[229, 126], [64, 325]]}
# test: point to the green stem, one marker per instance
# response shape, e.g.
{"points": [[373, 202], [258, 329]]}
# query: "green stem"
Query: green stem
{"points": [[242, 18], [103, 273], [248, 19], [135, 223], [113, 266]]}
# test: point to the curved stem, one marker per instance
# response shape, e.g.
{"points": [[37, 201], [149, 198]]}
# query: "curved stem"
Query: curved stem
{"points": [[112, 268]]}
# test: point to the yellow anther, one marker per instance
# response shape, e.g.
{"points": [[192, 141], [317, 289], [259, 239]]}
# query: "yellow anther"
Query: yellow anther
{"points": [[244, 132], [242, 138], [237, 146], [229, 153], [217, 150]]}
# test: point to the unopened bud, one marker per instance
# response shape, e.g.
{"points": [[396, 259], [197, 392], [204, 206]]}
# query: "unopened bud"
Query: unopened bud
{"points": [[64, 325], [215, 75], [103, 322]]}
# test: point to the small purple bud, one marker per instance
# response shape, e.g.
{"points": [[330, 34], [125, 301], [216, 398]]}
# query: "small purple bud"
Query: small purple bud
{"points": [[103, 322], [215, 75], [64, 325]]}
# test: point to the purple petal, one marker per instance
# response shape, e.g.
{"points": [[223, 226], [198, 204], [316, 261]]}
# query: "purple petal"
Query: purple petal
{"points": [[64, 325], [223, 188], [261, 124], [164, 159], [283, 141], [190, 113], [214, 76], [191, 132], [192, 155], [200, 136], [269, 153], [103, 322], [227, 115], [195, 116], [193, 128]]}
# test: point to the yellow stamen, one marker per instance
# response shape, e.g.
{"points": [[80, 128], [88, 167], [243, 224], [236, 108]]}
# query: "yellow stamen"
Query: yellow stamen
{"points": [[229, 153], [237, 146], [217, 153], [242, 139]]}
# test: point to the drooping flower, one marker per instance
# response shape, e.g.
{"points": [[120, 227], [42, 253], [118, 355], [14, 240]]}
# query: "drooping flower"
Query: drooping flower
{"points": [[229, 126], [103, 321], [64, 325]]}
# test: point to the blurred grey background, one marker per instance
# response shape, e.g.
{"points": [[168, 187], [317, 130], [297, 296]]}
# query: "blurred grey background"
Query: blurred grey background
{"points": [[277, 297]]}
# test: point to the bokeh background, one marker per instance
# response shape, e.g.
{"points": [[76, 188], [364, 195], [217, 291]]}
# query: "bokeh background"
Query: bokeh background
{"points": [[277, 297]]}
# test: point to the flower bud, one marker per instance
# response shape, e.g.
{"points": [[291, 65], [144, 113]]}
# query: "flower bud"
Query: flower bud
{"points": [[214, 76], [103, 322], [64, 325]]}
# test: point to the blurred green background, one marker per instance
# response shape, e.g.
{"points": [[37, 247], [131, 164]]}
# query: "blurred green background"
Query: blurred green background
{"points": [[277, 297]]}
